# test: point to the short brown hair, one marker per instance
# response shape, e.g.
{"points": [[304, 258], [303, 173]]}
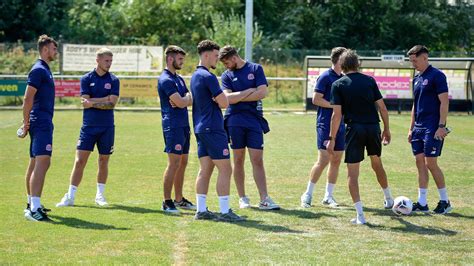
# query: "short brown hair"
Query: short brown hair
{"points": [[227, 52], [104, 51], [207, 45], [45, 40], [417, 50], [349, 61], [173, 50], [336, 53]]}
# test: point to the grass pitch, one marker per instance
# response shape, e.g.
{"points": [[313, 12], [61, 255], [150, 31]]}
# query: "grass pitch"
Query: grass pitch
{"points": [[133, 229]]}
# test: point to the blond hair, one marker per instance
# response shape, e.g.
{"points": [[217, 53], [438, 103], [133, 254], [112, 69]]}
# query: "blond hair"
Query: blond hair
{"points": [[104, 51]]}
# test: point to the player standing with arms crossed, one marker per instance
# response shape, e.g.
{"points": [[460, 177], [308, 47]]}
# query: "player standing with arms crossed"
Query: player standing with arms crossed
{"points": [[99, 93], [245, 85], [174, 100]]}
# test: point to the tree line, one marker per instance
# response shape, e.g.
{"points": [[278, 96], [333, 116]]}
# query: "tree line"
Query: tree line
{"points": [[287, 24]]}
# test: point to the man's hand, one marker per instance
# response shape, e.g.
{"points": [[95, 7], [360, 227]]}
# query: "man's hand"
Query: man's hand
{"points": [[23, 130], [330, 146], [386, 137], [410, 132], [86, 103], [26, 125], [441, 133], [172, 104]]}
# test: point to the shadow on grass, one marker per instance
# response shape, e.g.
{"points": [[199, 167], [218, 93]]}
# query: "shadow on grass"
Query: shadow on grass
{"points": [[267, 227], [82, 224], [413, 228], [299, 213], [458, 215], [385, 212], [132, 209], [382, 212]]}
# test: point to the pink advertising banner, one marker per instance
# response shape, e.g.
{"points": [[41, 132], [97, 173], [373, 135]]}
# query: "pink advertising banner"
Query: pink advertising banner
{"points": [[67, 88]]}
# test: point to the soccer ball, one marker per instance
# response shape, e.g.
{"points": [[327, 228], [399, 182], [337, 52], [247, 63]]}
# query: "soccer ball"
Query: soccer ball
{"points": [[402, 206]]}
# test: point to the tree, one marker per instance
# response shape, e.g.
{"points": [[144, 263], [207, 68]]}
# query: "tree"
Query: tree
{"points": [[231, 30], [27, 19]]}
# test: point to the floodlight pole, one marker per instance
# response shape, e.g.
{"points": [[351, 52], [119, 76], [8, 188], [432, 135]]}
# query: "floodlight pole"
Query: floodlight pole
{"points": [[248, 29]]}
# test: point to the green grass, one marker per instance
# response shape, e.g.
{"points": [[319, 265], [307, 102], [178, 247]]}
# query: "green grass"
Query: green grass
{"points": [[134, 230]]}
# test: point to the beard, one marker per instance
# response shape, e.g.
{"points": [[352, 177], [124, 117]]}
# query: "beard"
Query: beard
{"points": [[52, 57], [176, 66]]}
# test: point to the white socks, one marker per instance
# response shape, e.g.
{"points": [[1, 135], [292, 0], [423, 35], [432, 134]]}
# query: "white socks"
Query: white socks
{"points": [[358, 207], [201, 202], [329, 190], [360, 214], [443, 194], [72, 191], [224, 204], [35, 203], [310, 188], [202, 206], [386, 193], [29, 199], [100, 189], [422, 193]]}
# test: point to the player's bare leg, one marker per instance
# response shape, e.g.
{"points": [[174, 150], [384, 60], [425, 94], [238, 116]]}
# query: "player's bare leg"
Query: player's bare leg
{"points": [[377, 166], [319, 166], [169, 174], [41, 166], [77, 173], [435, 170], [28, 174], [179, 177], [174, 160], [444, 206], [353, 182], [223, 178], [423, 179], [239, 171], [256, 158], [79, 164], [332, 173], [102, 175], [334, 163], [202, 187], [180, 201]]}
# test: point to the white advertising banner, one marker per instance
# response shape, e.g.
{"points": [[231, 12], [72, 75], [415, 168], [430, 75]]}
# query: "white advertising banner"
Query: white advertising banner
{"points": [[127, 58]]}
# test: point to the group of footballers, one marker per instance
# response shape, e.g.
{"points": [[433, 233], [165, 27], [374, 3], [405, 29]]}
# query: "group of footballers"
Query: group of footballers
{"points": [[347, 121]]}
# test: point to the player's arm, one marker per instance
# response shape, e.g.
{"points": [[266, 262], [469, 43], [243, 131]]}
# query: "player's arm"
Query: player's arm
{"points": [[443, 115], [335, 124], [386, 136], [412, 123], [258, 94], [99, 100], [181, 102], [106, 105], [318, 99], [27, 106], [238, 96], [221, 100]]}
